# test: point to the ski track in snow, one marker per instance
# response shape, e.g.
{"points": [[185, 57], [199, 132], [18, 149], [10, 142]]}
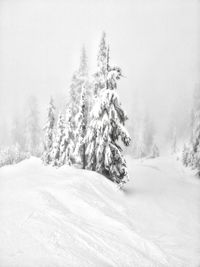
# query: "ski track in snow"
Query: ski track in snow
{"points": [[68, 217]]}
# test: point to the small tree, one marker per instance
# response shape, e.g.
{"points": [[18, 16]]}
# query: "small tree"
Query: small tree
{"points": [[49, 131]]}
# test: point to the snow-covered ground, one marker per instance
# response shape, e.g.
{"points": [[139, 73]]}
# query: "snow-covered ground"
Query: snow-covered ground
{"points": [[68, 217]]}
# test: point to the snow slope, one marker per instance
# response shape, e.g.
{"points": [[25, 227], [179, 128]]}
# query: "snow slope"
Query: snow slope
{"points": [[69, 217]]}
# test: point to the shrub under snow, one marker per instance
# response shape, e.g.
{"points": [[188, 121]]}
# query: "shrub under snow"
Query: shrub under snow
{"points": [[12, 155]]}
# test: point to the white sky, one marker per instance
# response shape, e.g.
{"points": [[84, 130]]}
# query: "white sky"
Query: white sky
{"points": [[156, 43]]}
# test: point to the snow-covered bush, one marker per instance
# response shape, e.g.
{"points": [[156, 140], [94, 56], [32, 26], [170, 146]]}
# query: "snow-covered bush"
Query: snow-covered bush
{"points": [[12, 155]]}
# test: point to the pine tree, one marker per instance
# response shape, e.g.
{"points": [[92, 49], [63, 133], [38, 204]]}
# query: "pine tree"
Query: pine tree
{"points": [[58, 137], [195, 154], [49, 131], [66, 144], [106, 128], [140, 146], [155, 151], [100, 77], [81, 121], [79, 80], [186, 155], [144, 133]]}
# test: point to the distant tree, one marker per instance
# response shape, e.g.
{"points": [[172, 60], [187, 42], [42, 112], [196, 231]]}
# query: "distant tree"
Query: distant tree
{"points": [[49, 132], [33, 130], [195, 154], [174, 141], [66, 144], [11, 155], [140, 148], [18, 137], [186, 155], [149, 134], [58, 138], [155, 151], [105, 128], [144, 134], [191, 152], [81, 121], [80, 79]]}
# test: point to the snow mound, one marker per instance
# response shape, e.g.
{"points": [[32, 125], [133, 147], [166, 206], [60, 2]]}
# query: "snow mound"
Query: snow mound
{"points": [[70, 217]]}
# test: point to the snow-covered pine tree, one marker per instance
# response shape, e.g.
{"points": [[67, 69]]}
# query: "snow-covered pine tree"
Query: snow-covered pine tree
{"points": [[58, 137], [100, 77], [49, 131], [186, 155], [81, 121], [195, 154], [66, 144], [106, 127], [144, 132], [80, 78]]}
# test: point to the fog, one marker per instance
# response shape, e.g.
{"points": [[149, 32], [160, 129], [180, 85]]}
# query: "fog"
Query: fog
{"points": [[156, 43]]}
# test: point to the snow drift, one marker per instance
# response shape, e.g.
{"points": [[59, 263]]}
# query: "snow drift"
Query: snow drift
{"points": [[70, 217]]}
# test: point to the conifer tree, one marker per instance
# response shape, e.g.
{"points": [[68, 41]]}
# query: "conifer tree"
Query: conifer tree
{"points": [[155, 151], [49, 131], [81, 121], [144, 134], [186, 155], [195, 154], [106, 128], [58, 137], [100, 77], [66, 144], [80, 78]]}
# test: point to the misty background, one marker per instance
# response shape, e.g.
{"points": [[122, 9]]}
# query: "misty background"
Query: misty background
{"points": [[155, 43]]}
